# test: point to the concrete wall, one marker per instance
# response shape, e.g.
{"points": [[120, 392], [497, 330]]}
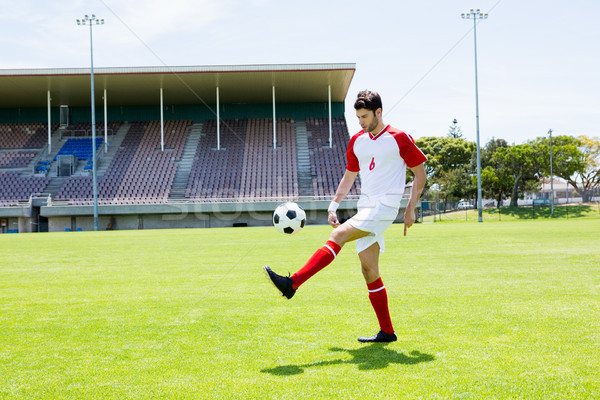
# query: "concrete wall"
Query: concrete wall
{"points": [[173, 221], [175, 216], [19, 224]]}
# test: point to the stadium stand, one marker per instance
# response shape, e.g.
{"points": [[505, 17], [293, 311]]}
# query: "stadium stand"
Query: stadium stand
{"points": [[16, 159], [77, 190], [24, 136], [246, 168], [85, 129], [15, 188], [328, 163], [139, 173], [188, 183], [20, 144], [216, 174], [267, 173], [80, 148]]}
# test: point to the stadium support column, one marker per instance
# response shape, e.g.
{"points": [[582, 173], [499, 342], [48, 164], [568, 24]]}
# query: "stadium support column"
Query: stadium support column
{"points": [[49, 126], [218, 121], [84, 22], [105, 123], [330, 125], [162, 122], [274, 122]]}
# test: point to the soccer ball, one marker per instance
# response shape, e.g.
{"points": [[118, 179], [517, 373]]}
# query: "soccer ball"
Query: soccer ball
{"points": [[289, 218]]}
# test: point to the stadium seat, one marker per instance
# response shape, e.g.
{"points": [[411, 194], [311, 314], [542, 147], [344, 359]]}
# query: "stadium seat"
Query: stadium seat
{"points": [[80, 148]]}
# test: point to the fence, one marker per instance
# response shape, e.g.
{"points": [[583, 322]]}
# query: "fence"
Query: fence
{"points": [[433, 212]]}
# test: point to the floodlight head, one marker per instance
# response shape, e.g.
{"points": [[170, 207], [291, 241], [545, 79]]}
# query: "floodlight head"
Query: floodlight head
{"points": [[86, 17], [94, 15]]}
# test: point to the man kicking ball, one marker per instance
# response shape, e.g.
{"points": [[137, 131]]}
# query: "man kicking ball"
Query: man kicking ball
{"points": [[381, 154]]}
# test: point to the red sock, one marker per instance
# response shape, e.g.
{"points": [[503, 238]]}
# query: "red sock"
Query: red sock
{"points": [[322, 258], [379, 301]]}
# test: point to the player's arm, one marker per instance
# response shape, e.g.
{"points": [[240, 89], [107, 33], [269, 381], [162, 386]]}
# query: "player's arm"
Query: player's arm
{"points": [[415, 194], [342, 190], [344, 186]]}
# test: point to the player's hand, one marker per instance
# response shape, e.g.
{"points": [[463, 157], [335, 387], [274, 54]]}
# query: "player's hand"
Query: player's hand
{"points": [[333, 220], [409, 220]]}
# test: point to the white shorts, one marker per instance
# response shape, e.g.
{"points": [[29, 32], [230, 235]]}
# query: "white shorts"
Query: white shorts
{"points": [[375, 220]]}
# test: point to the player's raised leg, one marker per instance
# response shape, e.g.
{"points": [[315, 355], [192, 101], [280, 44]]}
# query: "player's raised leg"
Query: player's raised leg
{"points": [[319, 260]]}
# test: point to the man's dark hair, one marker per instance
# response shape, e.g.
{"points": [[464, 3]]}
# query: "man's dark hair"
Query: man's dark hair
{"points": [[368, 100]]}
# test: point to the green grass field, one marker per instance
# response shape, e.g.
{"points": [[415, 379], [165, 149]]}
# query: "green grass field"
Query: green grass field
{"points": [[506, 310]]}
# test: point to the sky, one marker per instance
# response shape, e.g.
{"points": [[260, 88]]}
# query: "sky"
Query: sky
{"points": [[538, 61]]}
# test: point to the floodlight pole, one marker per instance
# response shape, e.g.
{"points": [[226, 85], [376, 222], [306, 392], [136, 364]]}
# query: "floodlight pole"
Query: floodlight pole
{"points": [[475, 15], [97, 21], [551, 176]]}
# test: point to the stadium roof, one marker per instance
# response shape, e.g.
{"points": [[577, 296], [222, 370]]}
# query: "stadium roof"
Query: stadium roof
{"points": [[181, 85]]}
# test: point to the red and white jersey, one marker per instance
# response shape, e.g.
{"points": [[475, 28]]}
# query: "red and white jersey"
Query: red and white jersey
{"points": [[381, 161]]}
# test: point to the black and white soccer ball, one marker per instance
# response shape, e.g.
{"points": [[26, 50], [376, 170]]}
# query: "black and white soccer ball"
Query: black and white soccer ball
{"points": [[289, 218]]}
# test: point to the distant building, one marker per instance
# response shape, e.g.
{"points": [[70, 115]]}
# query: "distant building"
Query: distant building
{"points": [[563, 192]]}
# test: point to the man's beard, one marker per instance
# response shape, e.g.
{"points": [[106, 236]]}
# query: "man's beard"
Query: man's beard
{"points": [[373, 125]]}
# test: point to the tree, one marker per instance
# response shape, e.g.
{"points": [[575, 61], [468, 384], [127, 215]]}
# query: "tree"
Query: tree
{"points": [[456, 184], [448, 165], [496, 182], [567, 159], [445, 153], [454, 131], [590, 173], [576, 160], [521, 163], [487, 152]]}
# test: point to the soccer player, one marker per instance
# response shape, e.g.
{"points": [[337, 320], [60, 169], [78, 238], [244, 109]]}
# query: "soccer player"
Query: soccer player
{"points": [[380, 153]]}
